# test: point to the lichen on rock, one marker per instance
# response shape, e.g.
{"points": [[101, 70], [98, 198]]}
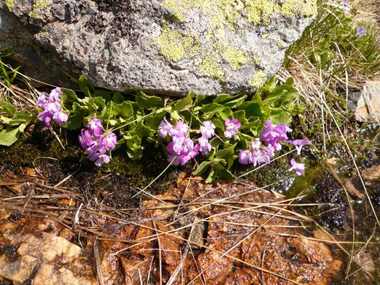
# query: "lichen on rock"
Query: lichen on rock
{"points": [[166, 46]]}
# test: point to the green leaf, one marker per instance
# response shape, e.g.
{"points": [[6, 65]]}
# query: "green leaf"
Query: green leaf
{"points": [[280, 116], [154, 120], [222, 172], [226, 152], [222, 98], [75, 121], [124, 110], [21, 117], [185, 103], [199, 99], [117, 97], [202, 167], [235, 101], [134, 148], [100, 102], [148, 102], [240, 116], [211, 176], [225, 113], [211, 108], [251, 109], [10, 135], [102, 93], [69, 96], [85, 85], [8, 108]]}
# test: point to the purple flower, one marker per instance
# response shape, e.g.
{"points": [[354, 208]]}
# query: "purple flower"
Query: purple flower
{"points": [[205, 146], [274, 134], [182, 150], [41, 100], [232, 128], [262, 156], [299, 144], [164, 128], [98, 158], [60, 118], [361, 32], [245, 156], [256, 144], [208, 129], [107, 142], [299, 168], [45, 117], [180, 129], [85, 139], [95, 126], [55, 94], [345, 2], [52, 108]]}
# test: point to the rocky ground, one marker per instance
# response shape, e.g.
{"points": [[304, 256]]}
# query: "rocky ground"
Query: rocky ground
{"points": [[233, 233]]}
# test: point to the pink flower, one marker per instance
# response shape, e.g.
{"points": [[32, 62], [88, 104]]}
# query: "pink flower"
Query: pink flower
{"points": [[180, 129], [299, 144], [245, 156], [95, 126], [45, 117], [98, 158], [205, 146], [107, 142], [55, 94], [273, 134], [232, 128], [299, 168], [164, 128], [85, 139], [208, 129], [52, 108], [60, 118]]}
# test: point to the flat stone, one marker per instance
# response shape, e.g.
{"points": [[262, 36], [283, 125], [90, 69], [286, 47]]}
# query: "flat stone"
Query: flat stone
{"points": [[163, 46], [49, 275], [18, 270]]}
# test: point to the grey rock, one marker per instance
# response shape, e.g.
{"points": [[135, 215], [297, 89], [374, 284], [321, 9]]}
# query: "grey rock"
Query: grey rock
{"points": [[165, 46], [368, 105]]}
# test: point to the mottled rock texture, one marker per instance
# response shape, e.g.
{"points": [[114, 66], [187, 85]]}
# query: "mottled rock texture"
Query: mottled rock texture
{"points": [[166, 46]]}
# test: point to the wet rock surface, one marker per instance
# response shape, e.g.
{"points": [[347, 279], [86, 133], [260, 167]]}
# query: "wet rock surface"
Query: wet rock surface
{"points": [[221, 233], [164, 46]]}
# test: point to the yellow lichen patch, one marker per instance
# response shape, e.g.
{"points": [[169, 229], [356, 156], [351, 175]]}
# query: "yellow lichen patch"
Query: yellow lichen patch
{"points": [[259, 10], [235, 57], [219, 18], [37, 7], [281, 43], [258, 79], [210, 67], [175, 44], [9, 4], [298, 7]]}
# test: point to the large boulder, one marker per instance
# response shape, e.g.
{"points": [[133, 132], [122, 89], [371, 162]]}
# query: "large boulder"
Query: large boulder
{"points": [[166, 46]]}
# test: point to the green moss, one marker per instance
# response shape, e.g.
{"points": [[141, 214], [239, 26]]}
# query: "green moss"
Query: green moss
{"points": [[9, 4], [258, 79], [38, 6]]}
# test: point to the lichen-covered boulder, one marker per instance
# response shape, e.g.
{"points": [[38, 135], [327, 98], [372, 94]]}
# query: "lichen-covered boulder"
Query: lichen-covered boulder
{"points": [[167, 46]]}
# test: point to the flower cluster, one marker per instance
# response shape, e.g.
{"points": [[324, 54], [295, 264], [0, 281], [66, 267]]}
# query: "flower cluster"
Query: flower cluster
{"points": [[272, 136], [181, 148], [232, 128], [96, 142], [52, 108]]}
